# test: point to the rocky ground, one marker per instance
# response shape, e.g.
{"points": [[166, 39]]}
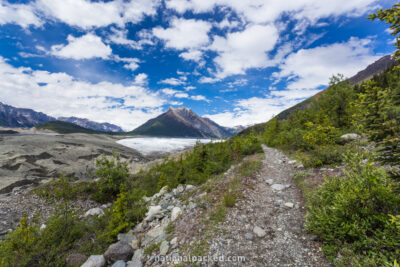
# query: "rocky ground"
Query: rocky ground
{"points": [[264, 228], [30, 158]]}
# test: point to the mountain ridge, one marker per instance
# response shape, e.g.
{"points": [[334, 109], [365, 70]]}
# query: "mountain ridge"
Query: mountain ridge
{"points": [[182, 122]]}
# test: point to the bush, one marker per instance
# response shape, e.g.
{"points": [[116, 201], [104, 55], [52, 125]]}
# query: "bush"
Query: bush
{"points": [[229, 199], [112, 174], [353, 215]]}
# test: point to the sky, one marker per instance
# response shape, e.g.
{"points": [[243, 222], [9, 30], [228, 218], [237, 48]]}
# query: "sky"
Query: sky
{"points": [[237, 62]]}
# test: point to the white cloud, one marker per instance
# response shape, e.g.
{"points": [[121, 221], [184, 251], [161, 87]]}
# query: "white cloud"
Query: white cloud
{"points": [[141, 79], [60, 94], [132, 63], [199, 98], [252, 110], [266, 11], [240, 51], [22, 15], [172, 81], [84, 47], [190, 88], [169, 91], [311, 68], [87, 14], [120, 37], [181, 95], [227, 24], [195, 55], [184, 33]]}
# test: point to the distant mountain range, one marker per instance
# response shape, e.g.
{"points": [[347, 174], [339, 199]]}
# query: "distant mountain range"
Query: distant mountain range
{"points": [[182, 122], [27, 118]]}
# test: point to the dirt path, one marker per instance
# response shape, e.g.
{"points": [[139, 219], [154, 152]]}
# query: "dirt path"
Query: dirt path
{"points": [[272, 203]]}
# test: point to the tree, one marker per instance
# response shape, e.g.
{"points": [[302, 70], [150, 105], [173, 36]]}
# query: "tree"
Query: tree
{"points": [[392, 17]]}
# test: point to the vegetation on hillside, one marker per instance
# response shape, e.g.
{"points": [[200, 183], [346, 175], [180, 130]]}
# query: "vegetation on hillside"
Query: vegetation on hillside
{"points": [[67, 232], [63, 127]]}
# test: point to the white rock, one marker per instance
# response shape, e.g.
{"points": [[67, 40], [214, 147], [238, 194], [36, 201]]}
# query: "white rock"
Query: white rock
{"points": [[189, 187], [94, 212], [350, 137], [164, 247], [176, 211], [155, 232], [269, 181], [153, 211], [95, 261], [174, 241], [289, 204], [292, 162], [259, 231], [279, 187], [180, 189], [43, 226]]}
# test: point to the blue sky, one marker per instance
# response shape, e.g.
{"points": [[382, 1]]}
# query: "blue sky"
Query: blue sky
{"points": [[238, 62]]}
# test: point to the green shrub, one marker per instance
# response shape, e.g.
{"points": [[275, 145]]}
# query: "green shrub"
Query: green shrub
{"points": [[229, 199], [353, 215], [112, 174]]}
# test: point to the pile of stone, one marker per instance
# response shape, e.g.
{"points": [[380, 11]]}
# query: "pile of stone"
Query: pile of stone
{"points": [[164, 208]]}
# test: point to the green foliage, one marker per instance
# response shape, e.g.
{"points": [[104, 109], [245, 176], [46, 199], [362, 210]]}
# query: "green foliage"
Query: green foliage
{"points": [[229, 199], [198, 165], [153, 247], [390, 16], [65, 188], [112, 173], [353, 215]]}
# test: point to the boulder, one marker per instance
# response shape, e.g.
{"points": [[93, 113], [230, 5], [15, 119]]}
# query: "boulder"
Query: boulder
{"points": [[95, 261], [279, 187], [259, 231], [289, 204], [153, 211], [189, 187], [75, 259], [176, 211], [127, 238], [118, 251], [350, 137], [94, 212]]}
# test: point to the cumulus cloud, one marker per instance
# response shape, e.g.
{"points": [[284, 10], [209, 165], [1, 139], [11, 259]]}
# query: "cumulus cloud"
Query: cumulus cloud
{"points": [[59, 94], [132, 63], [240, 51], [22, 15], [84, 47], [87, 14], [120, 37], [195, 55], [311, 68], [184, 33]]}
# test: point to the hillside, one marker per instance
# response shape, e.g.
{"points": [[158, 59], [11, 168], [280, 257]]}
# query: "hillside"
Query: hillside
{"points": [[96, 126], [370, 71], [63, 127], [181, 122], [21, 117]]}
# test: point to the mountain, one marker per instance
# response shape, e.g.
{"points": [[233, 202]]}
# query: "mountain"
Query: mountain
{"points": [[66, 128], [96, 126], [21, 117], [375, 68], [27, 118], [181, 122]]}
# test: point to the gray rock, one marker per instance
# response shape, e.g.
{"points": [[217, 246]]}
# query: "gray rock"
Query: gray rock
{"points": [[259, 231], [127, 238], [94, 212], [139, 253], [189, 187], [95, 261], [163, 190], [75, 259], [176, 211], [269, 181], [118, 251], [164, 248], [119, 264], [135, 262]]}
